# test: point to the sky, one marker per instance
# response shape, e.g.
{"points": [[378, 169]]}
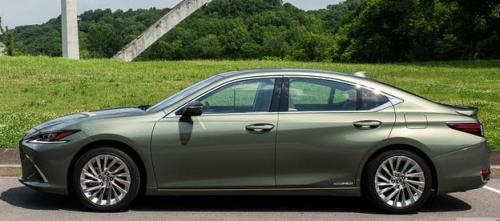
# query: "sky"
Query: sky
{"points": [[26, 12]]}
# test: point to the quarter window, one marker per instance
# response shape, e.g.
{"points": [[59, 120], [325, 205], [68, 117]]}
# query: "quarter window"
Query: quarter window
{"points": [[371, 99], [240, 97], [323, 95]]}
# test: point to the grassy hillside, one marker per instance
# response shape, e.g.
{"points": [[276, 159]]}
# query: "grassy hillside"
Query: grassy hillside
{"points": [[36, 89]]}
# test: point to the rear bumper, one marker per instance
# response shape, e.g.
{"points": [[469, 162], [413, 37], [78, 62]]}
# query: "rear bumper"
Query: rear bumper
{"points": [[460, 171]]}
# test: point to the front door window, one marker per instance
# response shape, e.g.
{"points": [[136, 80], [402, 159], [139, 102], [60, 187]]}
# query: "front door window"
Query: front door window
{"points": [[241, 97]]}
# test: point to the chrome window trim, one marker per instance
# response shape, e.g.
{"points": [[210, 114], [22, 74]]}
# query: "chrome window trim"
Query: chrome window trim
{"points": [[328, 112], [393, 100], [374, 110]]}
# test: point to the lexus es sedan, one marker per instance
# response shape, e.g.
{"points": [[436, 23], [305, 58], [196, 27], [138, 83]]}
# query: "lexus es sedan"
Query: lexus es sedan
{"points": [[264, 132]]}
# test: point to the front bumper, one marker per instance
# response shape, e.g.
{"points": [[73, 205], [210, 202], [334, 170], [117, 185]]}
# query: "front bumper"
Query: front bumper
{"points": [[45, 167], [460, 171]]}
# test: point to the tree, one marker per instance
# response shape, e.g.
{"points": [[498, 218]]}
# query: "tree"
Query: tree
{"points": [[383, 30], [1, 27], [103, 41], [8, 38], [336, 15], [275, 43], [351, 31], [224, 29], [476, 27], [420, 30], [313, 47], [9, 41], [209, 47]]}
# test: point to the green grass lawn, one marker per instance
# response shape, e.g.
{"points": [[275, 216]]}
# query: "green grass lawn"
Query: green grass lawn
{"points": [[36, 89]]}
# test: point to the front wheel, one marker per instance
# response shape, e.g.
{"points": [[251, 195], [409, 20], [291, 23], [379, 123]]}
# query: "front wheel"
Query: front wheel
{"points": [[398, 181], [105, 179]]}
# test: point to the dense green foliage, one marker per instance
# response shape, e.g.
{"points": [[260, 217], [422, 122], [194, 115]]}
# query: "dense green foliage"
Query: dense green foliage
{"points": [[352, 31], [401, 30], [247, 29], [36, 89]]}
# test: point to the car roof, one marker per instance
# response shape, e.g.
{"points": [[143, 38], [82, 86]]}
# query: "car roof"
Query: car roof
{"points": [[265, 72], [351, 78]]}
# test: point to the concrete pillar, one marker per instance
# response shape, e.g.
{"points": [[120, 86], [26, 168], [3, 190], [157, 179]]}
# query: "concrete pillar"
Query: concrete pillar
{"points": [[160, 28], [70, 44]]}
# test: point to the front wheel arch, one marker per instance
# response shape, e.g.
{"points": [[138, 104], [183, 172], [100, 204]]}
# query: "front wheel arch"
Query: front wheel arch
{"points": [[110, 143], [409, 148]]}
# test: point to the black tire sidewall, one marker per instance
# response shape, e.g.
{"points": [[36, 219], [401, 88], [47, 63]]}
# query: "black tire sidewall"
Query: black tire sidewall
{"points": [[77, 191], [370, 192]]}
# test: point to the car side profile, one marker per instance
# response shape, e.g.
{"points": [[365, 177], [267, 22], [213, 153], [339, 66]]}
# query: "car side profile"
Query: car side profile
{"points": [[264, 132]]}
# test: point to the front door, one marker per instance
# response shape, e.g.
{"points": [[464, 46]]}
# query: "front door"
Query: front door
{"points": [[232, 145], [325, 130]]}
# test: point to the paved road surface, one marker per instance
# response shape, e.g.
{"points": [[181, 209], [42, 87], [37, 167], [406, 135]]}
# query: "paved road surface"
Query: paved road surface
{"points": [[20, 203]]}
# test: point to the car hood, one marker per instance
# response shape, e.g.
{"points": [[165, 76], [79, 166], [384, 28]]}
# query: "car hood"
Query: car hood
{"points": [[62, 122]]}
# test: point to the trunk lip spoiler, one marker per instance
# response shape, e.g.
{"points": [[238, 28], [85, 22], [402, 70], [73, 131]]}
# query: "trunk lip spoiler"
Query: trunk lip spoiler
{"points": [[463, 110]]}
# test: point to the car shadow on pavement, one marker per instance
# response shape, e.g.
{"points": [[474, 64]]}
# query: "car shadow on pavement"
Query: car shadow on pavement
{"points": [[26, 198]]}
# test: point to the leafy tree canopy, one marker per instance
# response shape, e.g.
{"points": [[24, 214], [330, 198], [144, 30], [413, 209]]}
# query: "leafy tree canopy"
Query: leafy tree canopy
{"points": [[351, 31]]}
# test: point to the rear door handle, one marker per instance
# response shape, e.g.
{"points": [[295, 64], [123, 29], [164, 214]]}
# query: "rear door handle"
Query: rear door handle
{"points": [[260, 128], [367, 124]]}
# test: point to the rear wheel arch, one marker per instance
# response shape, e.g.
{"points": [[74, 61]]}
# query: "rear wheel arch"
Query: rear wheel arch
{"points": [[114, 144], [405, 147]]}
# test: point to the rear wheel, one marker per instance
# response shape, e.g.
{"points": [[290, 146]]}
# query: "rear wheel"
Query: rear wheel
{"points": [[105, 179], [398, 181]]}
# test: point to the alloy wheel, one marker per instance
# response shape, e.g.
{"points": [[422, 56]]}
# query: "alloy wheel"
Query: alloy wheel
{"points": [[105, 180], [400, 181]]}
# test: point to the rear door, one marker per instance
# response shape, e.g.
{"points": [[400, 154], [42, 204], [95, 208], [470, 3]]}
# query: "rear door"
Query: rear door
{"points": [[325, 128]]}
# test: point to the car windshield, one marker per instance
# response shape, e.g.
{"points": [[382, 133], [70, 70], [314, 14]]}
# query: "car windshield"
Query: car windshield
{"points": [[183, 94]]}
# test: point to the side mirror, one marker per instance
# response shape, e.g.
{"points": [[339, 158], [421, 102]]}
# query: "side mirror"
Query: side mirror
{"points": [[194, 108]]}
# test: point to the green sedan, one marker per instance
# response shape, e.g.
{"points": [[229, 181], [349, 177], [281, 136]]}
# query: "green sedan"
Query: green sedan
{"points": [[264, 132]]}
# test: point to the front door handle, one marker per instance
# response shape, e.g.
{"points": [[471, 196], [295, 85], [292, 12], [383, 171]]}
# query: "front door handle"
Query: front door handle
{"points": [[367, 124], [260, 128]]}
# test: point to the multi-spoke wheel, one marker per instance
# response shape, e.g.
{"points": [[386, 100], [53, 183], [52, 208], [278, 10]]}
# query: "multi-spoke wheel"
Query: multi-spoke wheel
{"points": [[398, 181], [105, 179]]}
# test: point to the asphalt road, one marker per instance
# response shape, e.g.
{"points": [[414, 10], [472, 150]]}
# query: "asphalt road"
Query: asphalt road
{"points": [[20, 203]]}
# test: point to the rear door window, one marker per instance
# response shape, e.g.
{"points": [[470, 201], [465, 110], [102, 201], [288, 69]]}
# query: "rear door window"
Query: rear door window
{"points": [[309, 94]]}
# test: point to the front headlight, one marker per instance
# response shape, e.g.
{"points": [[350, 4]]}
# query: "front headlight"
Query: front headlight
{"points": [[53, 137]]}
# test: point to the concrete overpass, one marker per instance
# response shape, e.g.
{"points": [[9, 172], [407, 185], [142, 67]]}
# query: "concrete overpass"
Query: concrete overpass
{"points": [[175, 16]]}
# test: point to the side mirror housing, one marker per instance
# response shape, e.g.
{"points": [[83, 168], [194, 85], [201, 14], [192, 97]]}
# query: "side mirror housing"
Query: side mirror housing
{"points": [[194, 108]]}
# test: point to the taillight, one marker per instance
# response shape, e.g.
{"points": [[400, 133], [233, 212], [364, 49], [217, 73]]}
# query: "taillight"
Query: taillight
{"points": [[471, 128], [486, 174]]}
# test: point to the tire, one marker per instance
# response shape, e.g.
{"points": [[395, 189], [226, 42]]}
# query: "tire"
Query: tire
{"points": [[404, 185], [104, 189]]}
